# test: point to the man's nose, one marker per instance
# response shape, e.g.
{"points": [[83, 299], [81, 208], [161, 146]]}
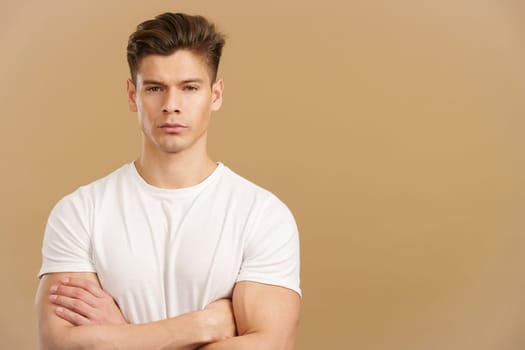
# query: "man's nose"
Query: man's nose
{"points": [[172, 102]]}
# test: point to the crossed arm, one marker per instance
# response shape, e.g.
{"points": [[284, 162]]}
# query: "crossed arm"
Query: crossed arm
{"points": [[78, 314], [266, 317]]}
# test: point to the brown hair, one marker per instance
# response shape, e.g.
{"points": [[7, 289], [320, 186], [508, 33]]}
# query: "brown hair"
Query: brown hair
{"points": [[169, 32]]}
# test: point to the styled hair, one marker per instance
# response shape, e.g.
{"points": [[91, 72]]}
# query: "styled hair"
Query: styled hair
{"points": [[169, 32]]}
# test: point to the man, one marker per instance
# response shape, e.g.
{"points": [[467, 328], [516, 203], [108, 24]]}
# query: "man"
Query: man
{"points": [[173, 250]]}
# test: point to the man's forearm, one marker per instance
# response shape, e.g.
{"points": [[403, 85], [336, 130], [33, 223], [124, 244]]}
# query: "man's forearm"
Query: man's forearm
{"points": [[252, 341], [187, 331], [67, 319]]}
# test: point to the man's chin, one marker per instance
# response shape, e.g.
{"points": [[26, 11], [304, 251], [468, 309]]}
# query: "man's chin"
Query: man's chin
{"points": [[171, 149]]}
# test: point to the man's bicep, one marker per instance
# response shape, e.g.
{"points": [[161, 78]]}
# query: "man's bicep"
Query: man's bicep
{"points": [[269, 310], [52, 328]]}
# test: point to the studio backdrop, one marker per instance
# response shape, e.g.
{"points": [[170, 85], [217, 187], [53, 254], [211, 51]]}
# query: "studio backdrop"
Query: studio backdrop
{"points": [[394, 131]]}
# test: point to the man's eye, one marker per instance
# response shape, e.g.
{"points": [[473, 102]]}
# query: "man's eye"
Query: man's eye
{"points": [[153, 88], [191, 88]]}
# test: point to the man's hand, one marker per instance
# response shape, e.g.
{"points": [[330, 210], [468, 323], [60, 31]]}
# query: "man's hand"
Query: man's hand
{"points": [[187, 331], [221, 319], [82, 302]]}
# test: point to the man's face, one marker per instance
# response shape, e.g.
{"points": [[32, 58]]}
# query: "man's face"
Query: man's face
{"points": [[174, 98]]}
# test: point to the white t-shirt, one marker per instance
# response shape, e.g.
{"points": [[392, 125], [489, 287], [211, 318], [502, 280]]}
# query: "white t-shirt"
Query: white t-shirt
{"points": [[164, 252]]}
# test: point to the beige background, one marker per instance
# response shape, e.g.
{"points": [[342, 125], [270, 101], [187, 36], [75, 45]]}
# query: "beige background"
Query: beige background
{"points": [[394, 130]]}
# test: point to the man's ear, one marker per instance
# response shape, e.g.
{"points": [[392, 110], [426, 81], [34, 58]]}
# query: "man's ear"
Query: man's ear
{"points": [[132, 95], [216, 95]]}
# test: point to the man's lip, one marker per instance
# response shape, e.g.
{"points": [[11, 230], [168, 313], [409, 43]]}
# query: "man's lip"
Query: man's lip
{"points": [[172, 125], [172, 128]]}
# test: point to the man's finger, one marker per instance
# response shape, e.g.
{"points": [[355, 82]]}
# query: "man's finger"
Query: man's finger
{"points": [[72, 317], [75, 293], [87, 285], [76, 305]]}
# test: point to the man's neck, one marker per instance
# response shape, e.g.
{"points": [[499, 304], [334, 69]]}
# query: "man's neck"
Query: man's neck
{"points": [[174, 170]]}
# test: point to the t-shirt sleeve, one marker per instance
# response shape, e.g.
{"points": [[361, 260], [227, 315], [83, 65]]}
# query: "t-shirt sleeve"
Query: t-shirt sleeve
{"points": [[67, 244], [271, 253]]}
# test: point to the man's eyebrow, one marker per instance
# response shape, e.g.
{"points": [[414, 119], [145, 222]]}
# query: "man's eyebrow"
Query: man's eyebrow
{"points": [[152, 82], [181, 82], [192, 80]]}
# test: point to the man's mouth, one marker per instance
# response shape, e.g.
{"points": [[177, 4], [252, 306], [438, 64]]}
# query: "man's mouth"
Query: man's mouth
{"points": [[172, 127]]}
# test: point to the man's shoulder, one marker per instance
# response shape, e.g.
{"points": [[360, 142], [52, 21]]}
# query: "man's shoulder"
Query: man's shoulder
{"points": [[88, 192], [244, 186], [253, 192]]}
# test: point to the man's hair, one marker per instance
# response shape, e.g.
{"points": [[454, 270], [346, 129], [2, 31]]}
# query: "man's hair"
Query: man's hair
{"points": [[169, 32]]}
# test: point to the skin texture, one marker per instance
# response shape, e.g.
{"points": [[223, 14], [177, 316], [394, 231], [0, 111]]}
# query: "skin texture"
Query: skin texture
{"points": [[84, 303], [174, 89], [182, 97], [173, 98]]}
